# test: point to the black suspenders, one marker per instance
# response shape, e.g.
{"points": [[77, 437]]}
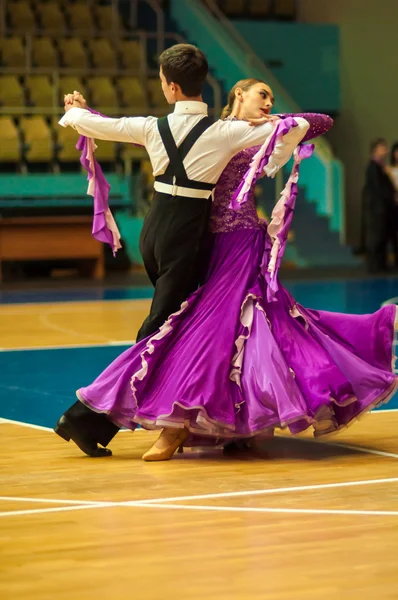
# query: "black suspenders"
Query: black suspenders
{"points": [[175, 173]]}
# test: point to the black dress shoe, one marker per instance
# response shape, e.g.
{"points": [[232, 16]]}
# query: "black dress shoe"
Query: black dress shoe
{"points": [[66, 430], [236, 446]]}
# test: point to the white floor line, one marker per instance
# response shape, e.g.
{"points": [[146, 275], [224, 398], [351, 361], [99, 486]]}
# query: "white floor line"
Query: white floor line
{"points": [[66, 346], [246, 509], [42, 428], [58, 307], [172, 499], [297, 439], [50, 500], [22, 424], [282, 490], [36, 511], [347, 446], [44, 319], [306, 511]]}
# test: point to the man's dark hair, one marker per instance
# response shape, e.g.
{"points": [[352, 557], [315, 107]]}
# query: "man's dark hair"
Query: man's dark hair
{"points": [[186, 65], [377, 142]]}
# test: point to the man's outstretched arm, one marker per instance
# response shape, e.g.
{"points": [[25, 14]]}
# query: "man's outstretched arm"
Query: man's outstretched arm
{"points": [[125, 129]]}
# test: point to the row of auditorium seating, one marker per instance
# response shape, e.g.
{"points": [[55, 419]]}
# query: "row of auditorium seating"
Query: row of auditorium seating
{"points": [[264, 9], [79, 16], [38, 140], [71, 52], [61, 16], [101, 92]]}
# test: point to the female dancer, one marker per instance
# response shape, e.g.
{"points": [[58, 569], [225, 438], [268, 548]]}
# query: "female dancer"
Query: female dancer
{"points": [[241, 356]]}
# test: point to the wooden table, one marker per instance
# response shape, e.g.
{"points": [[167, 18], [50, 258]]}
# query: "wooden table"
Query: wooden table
{"points": [[47, 238]]}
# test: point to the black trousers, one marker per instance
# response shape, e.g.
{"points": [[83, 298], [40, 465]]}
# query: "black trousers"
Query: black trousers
{"points": [[175, 248]]}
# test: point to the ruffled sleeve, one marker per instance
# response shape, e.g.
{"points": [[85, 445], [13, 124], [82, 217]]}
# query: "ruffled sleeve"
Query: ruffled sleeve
{"points": [[281, 219], [104, 225], [260, 160], [319, 124], [282, 214]]}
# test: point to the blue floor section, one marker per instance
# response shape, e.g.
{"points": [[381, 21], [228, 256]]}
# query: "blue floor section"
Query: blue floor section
{"points": [[75, 295], [352, 296], [357, 297], [36, 386]]}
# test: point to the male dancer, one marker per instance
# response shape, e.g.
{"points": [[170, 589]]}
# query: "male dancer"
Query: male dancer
{"points": [[188, 154]]}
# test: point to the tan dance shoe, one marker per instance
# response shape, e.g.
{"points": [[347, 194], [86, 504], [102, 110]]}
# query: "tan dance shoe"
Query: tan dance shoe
{"points": [[166, 444]]}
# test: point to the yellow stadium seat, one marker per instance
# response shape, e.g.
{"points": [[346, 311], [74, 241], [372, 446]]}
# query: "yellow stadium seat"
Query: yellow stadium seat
{"points": [[260, 8], [67, 85], [131, 54], [13, 52], [44, 53], [66, 139], [106, 151], [11, 92], [80, 16], [73, 53], [41, 92], [133, 153], [234, 7], [10, 147], [147, 173], [21, 15], [38, 139], [103, 54], [156, 94], [51, 17], [132, 95], [103, 94], [285, 8], [106, 17]]}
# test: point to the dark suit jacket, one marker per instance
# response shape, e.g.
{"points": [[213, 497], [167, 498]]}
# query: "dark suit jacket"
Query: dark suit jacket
{"points": [[379, 191]]}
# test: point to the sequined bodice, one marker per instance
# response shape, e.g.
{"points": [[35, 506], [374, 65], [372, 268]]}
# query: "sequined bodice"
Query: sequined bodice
{"points": [[223, 218], [226, 219]]}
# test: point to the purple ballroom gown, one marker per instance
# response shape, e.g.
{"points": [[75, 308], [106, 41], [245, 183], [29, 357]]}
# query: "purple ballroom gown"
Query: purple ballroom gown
{"points": [[241, 357]]}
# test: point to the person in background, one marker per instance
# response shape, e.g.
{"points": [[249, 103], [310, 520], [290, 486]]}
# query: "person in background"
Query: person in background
{"points": [[392, 169], [380, 211]]}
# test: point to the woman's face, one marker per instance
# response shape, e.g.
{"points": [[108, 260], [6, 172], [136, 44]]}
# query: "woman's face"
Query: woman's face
{"points": [[257, 101]]}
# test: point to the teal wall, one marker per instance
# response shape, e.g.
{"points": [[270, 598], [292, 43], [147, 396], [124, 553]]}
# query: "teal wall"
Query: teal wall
{"points": [[54, 191], [321, 175], [309, 55]]}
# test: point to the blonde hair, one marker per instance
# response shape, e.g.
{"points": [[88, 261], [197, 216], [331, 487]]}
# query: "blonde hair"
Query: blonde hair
{"points": [[245, 85]]}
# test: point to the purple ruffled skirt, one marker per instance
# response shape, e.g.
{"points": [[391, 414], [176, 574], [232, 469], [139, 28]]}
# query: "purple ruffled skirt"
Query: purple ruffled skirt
{"points": [[229, 364]]}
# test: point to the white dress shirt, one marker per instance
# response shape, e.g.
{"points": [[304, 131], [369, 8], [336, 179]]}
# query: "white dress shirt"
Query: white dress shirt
{"points": [[210, 154]]}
